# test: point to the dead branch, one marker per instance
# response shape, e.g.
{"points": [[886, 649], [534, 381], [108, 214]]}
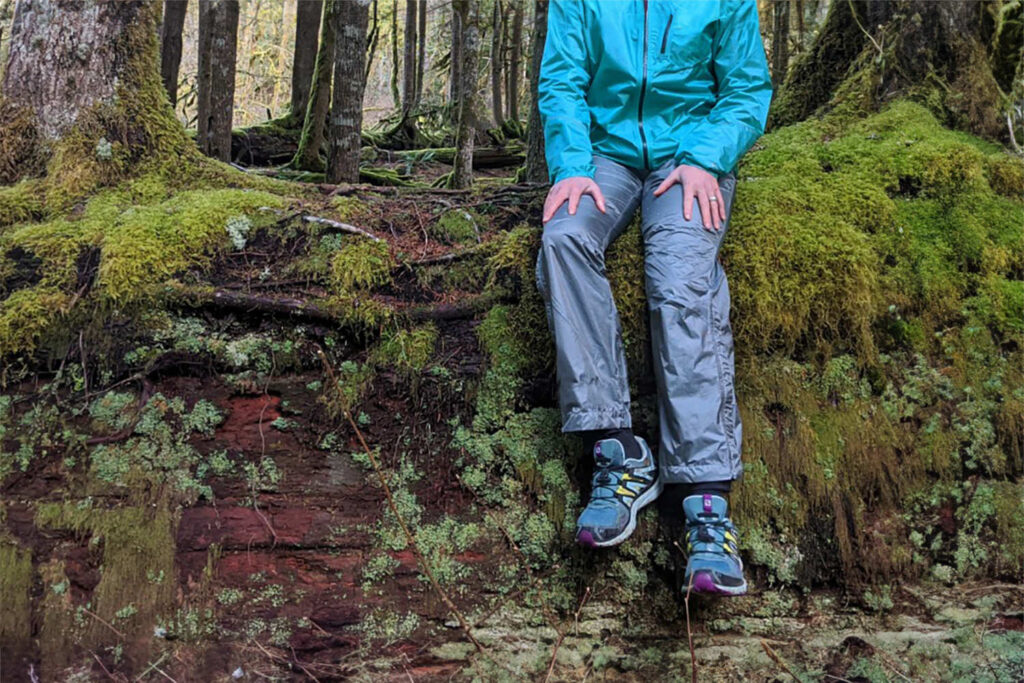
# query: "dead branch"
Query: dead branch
{"points": [[338, 225]]}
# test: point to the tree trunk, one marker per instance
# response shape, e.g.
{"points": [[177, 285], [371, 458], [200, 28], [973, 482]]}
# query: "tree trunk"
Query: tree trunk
{"points": [[869, 52], [170, 46], [409, 59], [218, 30], [780, 40], [496, 71], [307, 31], [372, 41], [421, 59], [307, 158], [536, 164], [65, 58], [515, 65], [468, 13], [350, 22], [455, 65], [396, 96]]}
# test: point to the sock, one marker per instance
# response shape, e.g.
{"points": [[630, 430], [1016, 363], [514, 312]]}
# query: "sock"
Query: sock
{"points": [[670, 503], [623, 434]]}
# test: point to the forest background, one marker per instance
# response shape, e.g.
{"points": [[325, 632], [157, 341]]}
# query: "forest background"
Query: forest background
{"points": [[276, 389]]}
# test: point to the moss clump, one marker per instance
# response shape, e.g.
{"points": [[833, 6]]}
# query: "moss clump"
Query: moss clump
{"points": [[456, 226], [408, 351], [143, 235], [361, 264]]}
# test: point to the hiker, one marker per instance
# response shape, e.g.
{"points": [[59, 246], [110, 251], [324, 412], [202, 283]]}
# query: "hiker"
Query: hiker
{"points": [[650, 104]]}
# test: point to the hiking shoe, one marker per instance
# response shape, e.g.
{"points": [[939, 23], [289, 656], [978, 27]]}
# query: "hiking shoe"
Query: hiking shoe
{"points": [[620, 487], [712, 552]]}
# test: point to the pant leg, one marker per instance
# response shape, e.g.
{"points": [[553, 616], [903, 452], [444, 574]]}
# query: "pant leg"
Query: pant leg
{"points": [[691, 338], [593, 389]]}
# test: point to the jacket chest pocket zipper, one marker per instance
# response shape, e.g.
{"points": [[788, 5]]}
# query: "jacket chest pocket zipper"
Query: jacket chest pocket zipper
{"points": [[664, 38]]}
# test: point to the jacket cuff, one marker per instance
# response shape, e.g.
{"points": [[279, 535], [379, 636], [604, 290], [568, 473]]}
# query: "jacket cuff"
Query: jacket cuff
{"points": [[573, 171]]}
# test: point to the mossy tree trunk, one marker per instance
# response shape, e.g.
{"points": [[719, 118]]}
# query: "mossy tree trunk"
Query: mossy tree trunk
{"points": [[468, 12], [307, 30], [780, 40], [421, 58], [307, 158], [350, 23], [497, 33], [86, 80], [65, 59], [869, 53], [515, 63], [409, 59], [536, 165], [170, 45], [218, 41]]}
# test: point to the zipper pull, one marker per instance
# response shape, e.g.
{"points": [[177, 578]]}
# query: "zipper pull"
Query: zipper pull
{"points": [[664, 38]]}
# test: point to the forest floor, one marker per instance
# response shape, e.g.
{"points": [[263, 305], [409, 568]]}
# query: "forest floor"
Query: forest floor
{"points": [[185, 497]]}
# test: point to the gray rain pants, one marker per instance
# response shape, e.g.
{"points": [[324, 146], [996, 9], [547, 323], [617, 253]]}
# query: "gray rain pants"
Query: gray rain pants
{"points": [[688, 298]]}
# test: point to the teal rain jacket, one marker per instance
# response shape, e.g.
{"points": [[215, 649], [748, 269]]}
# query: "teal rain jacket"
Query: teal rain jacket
{"points": [[644, 81]]}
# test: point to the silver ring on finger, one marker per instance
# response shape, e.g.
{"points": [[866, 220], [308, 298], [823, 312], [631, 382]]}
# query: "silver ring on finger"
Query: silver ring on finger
{"points": [[712, 199]]}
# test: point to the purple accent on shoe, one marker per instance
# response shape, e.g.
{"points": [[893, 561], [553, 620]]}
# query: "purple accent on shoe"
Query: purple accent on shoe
{"points": [[702, 583], [597, 449], [707, 503], [584, 537]]}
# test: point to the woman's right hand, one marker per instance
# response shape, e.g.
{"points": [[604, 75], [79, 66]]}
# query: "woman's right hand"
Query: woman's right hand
{"points": [[571, 189]]}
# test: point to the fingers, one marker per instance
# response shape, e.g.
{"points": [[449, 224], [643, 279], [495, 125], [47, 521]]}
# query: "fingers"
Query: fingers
{"points": [[687, 200], [555, 199], [668, 182], [575, 192], [705, 207], [595, 191]]}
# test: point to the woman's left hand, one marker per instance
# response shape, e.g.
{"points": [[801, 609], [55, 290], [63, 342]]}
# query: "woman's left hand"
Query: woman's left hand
{"points": [[697, 183]]}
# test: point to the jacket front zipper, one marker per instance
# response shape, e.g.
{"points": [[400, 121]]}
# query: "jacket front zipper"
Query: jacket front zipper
{"points": [[643, 89]]}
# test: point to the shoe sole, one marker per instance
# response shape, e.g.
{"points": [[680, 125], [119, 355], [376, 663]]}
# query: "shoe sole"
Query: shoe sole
{"points": [[585, 538], [703, 583]]}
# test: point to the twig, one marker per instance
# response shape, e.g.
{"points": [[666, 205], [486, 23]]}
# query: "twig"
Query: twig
{"points": [[105, 670], [689, 630], [344, 227], [778, 660], [424, 565], [561, 635], [103, 621]]}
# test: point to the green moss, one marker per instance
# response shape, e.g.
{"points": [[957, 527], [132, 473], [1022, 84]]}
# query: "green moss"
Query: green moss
{"points": [[16, 578], [137, 544], [456, 226], [361, 264], [406, 350]]}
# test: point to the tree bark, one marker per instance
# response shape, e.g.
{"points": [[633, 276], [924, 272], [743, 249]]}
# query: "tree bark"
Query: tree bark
{"points": [[515, 65], [496, 71], [870, 52], [218, 40], [396, 96], [780, 40], [307, 158], [350, 23], [421, 59], [307, 31], [409, 59], [536, 164], [66, 56], [170, 45], [455, 65], [468, 13]]}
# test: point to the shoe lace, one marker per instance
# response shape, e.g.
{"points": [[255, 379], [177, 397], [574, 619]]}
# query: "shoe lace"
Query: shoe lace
{"points": [[701, 532], [604, 485]]}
